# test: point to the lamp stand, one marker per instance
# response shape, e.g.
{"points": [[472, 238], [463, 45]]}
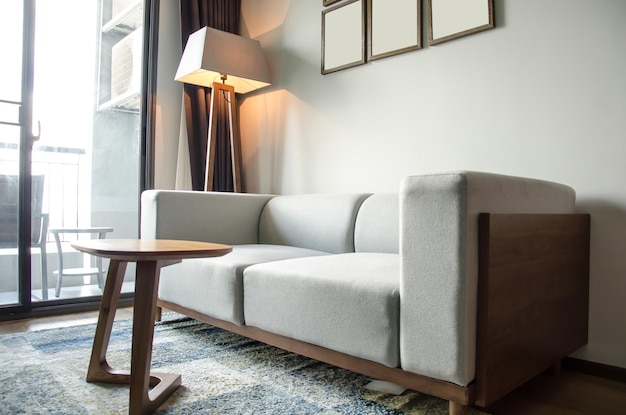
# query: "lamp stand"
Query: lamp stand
{"points": [[227, 92]]}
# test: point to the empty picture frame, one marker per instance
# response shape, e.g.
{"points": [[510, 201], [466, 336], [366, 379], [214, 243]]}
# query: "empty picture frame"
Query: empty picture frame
{"points": [[393, 27], [343, 36], [452, 19]]}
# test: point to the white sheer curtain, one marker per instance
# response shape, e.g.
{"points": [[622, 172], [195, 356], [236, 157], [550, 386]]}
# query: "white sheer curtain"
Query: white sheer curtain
{"points": [[183, 167]]}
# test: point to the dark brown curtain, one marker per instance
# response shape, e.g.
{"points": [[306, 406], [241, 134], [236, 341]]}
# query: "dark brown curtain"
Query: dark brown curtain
{"points": [[222, 15]]}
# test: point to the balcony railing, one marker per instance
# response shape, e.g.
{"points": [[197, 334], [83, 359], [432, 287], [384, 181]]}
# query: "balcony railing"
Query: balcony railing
{"points": [[66, 199], [67, 176]]}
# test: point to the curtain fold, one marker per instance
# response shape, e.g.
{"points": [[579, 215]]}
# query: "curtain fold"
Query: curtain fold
{"points": [[222, 15]]}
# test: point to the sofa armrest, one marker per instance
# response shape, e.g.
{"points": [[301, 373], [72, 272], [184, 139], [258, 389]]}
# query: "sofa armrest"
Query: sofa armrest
{"points": [[439, 259], [229, 218]]}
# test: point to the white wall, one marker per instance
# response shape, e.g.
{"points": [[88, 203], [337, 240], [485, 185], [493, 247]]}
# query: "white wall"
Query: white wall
{"points": [[543, 95]]}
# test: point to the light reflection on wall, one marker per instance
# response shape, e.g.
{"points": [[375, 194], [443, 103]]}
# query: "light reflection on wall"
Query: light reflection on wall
{"points": [[273, 135]]}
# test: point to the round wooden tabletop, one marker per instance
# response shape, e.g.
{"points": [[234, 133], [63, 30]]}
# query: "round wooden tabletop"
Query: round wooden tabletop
{"points": [[150, 249]]}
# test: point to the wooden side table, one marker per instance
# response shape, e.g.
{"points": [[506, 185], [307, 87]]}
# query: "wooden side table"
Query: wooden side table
{"points": [[150, 256]]}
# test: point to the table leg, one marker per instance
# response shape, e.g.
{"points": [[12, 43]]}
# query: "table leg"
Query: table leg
{"points": [[99, 370], [142, 399]]}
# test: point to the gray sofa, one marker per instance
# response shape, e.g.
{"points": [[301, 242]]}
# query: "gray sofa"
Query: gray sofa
{"points": [[444, 287]]}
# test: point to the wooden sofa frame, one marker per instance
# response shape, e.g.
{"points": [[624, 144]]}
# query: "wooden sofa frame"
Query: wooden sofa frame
{"points": [[533, 299]]}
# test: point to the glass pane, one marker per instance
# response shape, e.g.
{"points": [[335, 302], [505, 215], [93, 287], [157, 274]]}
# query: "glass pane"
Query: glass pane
{"points": [[87, 155], [8, 238], [9, 113], [86, 164], [9, 142], [10, 95], [11, 50]]}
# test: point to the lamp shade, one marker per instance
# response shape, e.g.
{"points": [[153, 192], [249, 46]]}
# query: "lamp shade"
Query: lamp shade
{"points": [[211, 53]]}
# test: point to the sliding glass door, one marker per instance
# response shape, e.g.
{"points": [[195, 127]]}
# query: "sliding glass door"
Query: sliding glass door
{"points": [[75, 150], [16, 138]]}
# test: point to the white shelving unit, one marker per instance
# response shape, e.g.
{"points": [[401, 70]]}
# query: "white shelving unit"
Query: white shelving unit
{"points": [[121, 43]]}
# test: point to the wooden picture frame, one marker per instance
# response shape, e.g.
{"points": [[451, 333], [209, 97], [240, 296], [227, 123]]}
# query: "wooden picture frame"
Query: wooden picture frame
{"points": [[329, 2], [343, 36], [452, 19], [393, 27]]}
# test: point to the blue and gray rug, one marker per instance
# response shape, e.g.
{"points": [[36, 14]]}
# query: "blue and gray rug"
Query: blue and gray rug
{"points": [[44, 373]]}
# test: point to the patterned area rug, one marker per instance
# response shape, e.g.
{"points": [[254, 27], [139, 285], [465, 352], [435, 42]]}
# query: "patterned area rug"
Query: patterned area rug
{"points": [[44, 372]]}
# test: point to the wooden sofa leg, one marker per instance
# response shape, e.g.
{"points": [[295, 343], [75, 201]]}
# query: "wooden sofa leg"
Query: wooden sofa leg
{"points": [[457, 409], [555, 369], [159, 314]]}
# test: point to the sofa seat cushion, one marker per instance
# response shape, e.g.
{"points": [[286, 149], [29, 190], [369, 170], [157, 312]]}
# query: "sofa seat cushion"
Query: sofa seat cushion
{"points": [[345, 302], [213, 286]]}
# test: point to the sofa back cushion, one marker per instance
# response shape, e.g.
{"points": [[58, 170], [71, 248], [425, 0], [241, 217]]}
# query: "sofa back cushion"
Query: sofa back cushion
{"points": [[227, 218], [324, 222], [377, 225]]}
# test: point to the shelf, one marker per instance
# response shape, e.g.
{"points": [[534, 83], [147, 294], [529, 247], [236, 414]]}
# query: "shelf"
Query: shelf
{"points": [[127, 20], [127, 102]]}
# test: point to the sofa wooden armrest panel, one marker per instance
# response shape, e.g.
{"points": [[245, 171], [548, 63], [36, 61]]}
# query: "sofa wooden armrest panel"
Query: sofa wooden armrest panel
{"points": [[533, 297]]}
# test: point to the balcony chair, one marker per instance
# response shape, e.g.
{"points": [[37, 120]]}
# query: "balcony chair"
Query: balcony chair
{"points": [[100, 232], [39, 224]]}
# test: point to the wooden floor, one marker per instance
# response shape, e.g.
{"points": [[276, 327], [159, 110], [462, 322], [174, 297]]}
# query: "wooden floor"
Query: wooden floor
{"points": [[43, 323], [566, 393]]}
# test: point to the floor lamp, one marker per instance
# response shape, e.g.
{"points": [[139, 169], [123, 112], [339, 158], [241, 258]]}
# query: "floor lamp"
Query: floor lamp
{"points": [[228, 64]]}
